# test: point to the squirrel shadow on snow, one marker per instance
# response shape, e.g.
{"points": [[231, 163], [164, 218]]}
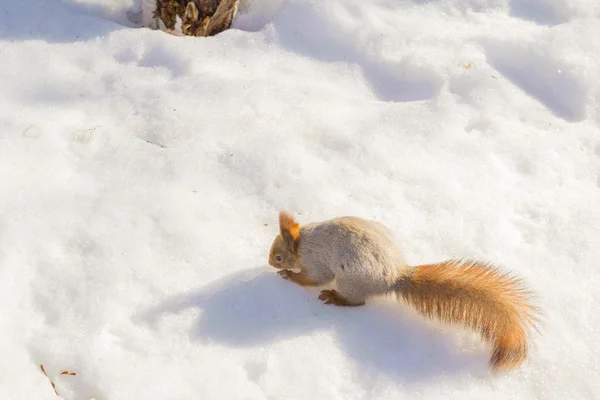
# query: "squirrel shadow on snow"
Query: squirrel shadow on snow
{"points": [[256, 307]]}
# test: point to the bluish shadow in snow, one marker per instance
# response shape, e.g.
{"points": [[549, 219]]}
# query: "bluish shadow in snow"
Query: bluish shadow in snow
{"points": [[303, 29], [256, 308], [555, 85], [536, 11], [244, 310], [57, 21], [160, 56]]}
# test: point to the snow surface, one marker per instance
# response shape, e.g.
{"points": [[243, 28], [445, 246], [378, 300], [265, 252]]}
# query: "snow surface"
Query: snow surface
{"points": [[141, 175]]}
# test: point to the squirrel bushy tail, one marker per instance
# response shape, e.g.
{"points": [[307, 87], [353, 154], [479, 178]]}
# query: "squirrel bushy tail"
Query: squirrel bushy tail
{"points": [[479, 296]]}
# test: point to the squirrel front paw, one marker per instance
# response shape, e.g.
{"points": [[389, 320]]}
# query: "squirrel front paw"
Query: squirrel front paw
{"points": [[335, 298], [286, 274], [297, 277]]}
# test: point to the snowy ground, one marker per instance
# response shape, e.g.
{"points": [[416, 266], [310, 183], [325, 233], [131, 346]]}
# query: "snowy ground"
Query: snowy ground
{"points": [[141, 175]]}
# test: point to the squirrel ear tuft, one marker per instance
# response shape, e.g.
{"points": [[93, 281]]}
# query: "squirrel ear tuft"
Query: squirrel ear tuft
{"points": [[290, 230]]}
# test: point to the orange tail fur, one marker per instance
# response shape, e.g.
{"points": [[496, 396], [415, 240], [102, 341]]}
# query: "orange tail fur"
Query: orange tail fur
{"points": [[478, 296]]}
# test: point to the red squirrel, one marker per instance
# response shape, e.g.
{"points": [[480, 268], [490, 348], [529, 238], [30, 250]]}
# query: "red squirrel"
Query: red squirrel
{"points": [[365, 261]]}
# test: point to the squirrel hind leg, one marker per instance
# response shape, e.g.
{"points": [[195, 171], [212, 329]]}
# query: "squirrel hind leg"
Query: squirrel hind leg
{"points": [[348, 293], [334, 297]]}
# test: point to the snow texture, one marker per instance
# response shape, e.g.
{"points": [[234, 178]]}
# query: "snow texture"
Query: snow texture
{"points": [[141, 175]]}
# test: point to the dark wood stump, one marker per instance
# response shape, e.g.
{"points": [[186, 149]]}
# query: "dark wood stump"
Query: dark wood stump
{"points": [[192, 17]]}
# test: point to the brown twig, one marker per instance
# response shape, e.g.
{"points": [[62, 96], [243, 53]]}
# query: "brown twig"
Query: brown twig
{"points": [[52, 383]]}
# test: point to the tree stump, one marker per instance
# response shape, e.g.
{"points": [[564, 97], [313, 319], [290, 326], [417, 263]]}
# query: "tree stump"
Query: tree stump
{"points": [[189, 17]]}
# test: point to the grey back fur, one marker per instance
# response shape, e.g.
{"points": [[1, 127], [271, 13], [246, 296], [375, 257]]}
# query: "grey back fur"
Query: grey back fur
{"points": [[362, 255]]}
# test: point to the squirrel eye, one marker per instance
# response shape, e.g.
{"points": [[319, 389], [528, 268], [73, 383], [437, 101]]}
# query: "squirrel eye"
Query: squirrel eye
{"points": [[278, 258]]}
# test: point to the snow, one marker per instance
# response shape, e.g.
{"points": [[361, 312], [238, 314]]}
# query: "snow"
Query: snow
{"points": [[141, 175]]}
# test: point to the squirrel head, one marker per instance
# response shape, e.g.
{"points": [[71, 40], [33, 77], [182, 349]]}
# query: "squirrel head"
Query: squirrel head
{"points": [[284, 248]]}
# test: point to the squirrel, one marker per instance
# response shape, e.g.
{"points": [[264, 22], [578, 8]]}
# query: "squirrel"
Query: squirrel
{"points": [[365, 261]]}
